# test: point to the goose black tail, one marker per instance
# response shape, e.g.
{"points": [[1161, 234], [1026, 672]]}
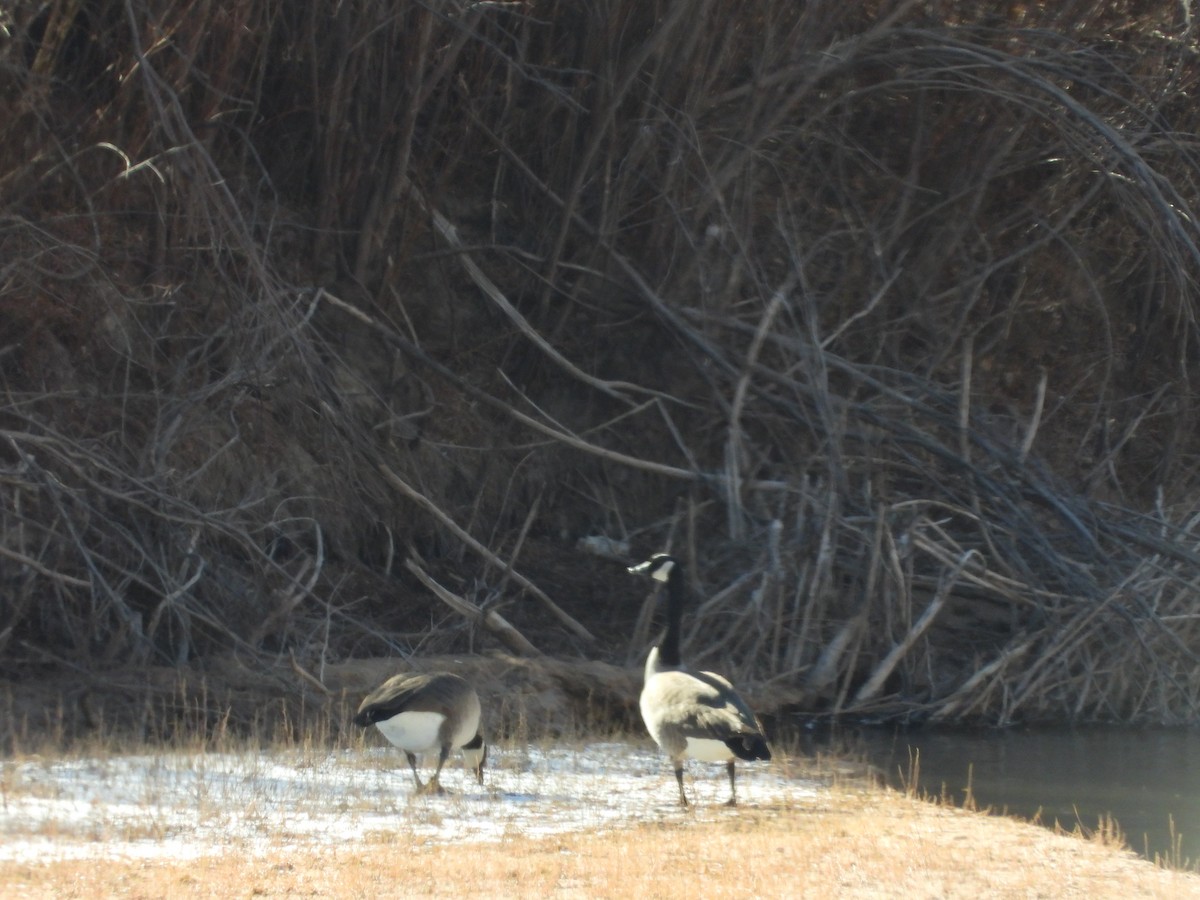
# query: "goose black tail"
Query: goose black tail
{"points": [[368, 717], [748, 746]]}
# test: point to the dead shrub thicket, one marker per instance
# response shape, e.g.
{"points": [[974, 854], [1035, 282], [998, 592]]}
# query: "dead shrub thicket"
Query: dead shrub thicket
{"points": [[312, 318]]}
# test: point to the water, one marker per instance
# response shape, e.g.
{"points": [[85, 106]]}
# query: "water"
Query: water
{"points": [[1145, 779]]}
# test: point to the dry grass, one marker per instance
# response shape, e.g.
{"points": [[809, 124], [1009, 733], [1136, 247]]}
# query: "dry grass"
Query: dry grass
{"points": [[849, 844], [885, 315]]}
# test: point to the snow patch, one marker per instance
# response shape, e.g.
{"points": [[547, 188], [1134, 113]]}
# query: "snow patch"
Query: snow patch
{"points": [[184, 805]]}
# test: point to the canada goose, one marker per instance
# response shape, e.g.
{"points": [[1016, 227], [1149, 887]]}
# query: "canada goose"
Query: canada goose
{"points": [[420, 712], [696, 714]]}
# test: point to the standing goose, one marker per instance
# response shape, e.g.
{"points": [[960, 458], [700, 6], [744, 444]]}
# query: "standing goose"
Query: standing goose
{"points": [[688, 713], [420, 712]]}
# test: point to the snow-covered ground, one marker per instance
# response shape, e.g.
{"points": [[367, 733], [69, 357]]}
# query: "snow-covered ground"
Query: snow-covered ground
{"points": [[182, 805]]}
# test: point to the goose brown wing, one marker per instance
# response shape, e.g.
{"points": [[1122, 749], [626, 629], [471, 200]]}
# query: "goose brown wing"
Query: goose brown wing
{"points": [[412, 693], [702, 707], [735, 701]]}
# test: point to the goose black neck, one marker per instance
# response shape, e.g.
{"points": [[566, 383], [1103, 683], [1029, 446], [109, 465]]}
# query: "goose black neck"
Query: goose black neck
{"points": [[668, 650]]}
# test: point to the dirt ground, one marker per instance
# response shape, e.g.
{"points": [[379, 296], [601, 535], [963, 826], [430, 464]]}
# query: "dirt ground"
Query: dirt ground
{"points": [[851, 843]]}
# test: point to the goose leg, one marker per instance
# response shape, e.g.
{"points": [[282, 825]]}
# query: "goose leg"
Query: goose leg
{"points": [[679, 779], [412, 761], [433, 786], [732, 801]]}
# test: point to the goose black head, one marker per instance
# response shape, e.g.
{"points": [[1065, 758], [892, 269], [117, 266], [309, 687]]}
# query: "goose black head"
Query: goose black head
{"points": [[658, 567]]}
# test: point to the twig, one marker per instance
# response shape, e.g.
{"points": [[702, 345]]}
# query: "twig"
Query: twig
{"points": [[308, 676], [43, 570], [1034, 419], [563, 437], [490, 620], [734, 452], [964, 398], [530, 517], [425, 503], [874, 684]]}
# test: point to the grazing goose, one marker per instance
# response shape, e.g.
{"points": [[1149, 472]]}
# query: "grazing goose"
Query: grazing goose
{"points": [[420, 712], [688, 713]]}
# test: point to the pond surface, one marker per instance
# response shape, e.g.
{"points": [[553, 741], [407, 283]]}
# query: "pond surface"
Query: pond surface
{"points": [[1145, 779]]}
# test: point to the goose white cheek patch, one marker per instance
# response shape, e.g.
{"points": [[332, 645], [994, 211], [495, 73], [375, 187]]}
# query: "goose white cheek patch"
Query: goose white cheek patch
{"points": [[663, 572]]}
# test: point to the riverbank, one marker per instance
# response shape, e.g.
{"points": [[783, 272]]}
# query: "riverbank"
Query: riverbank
{"points": [[587, 820], [868, 843]]}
